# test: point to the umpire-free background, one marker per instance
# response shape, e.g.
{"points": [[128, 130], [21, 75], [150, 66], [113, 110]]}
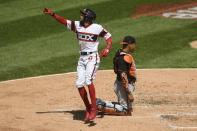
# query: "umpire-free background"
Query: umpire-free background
{"points": [[34, 44]]}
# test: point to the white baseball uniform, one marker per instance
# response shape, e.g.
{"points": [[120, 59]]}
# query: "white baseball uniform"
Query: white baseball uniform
{"points": [[89, 59]]}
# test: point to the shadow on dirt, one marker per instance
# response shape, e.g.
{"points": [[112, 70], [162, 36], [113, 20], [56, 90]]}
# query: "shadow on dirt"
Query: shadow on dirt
{"points": [[77, 115]]}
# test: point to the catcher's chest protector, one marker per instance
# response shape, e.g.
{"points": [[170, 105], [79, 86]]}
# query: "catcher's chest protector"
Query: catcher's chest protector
{"points": [[123, 59], [115, 61], [119, 56]]}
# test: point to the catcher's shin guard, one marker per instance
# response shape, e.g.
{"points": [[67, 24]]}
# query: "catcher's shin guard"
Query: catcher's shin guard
{"points": [[112, 108], [93, 112], [113, 112], [83, 94]]}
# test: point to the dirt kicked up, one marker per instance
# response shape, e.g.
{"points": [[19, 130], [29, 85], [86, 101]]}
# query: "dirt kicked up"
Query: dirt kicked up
{"points": [[165, 100]]}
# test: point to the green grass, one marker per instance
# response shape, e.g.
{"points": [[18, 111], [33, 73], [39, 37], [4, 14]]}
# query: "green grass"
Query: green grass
{"points": [[33, 44]]}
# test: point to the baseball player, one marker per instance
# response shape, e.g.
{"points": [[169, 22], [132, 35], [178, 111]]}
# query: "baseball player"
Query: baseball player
{"points": [[88, 34], [124, 67]]}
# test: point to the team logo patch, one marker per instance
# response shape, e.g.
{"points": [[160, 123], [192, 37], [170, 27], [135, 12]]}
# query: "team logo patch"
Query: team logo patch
{"points": [[87, 37], [90, 58]]}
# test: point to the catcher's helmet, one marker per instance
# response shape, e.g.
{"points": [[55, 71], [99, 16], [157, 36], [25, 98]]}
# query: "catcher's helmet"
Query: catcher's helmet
{"points": [[89, 15], [128, 40]]}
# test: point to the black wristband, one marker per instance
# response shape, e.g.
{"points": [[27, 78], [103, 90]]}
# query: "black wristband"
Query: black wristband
{"points": [[53, 14]]}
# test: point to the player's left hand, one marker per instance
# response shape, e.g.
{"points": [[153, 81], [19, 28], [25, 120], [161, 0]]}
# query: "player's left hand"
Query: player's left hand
{"points": [[104, 53]]}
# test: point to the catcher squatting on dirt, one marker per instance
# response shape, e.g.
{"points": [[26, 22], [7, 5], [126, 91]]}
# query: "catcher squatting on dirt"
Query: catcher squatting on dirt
{"points": [[88, 34], [124, 67]]}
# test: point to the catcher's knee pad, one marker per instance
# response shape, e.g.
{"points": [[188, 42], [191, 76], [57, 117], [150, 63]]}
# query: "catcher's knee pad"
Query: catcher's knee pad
{"points": [[106, 106]]}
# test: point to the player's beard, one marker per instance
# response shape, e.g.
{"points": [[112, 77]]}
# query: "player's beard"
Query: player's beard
{"points": [[82, 23]]}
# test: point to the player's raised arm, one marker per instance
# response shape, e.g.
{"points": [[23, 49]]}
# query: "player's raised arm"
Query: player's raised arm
{"points": [[107, 36], [58, 18]]}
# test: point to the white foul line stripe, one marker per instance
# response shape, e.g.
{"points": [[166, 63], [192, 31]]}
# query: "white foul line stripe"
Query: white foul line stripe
{"points": [[153, 106], [99, 71], [178, 127], [175, 94], [157, 116], [181, 127], [29, 78]]}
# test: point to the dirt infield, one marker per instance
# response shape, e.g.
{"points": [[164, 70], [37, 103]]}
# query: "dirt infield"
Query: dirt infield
{"points": [[181, 10], [164, 100]]}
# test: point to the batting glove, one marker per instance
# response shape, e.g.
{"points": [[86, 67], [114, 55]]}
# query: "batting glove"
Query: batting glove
{"points": [[47, 11], [104, 53]]}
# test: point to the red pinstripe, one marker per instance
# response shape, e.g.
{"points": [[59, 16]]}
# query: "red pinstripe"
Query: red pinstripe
{"points": [[94, 68]]}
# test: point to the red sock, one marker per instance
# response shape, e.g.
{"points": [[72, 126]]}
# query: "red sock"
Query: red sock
{"points": [[92, 96], [83, 94]]}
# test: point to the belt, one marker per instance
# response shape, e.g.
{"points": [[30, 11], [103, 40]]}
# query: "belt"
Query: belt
{"points": [[86, 53]]}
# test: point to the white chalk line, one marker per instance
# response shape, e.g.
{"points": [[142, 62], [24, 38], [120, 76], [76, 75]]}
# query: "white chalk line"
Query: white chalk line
{"points": [[181, 127], [186, 113], [141, 117], [150, 116], [35, 77], [71, 109], [172, 94], [178, 114], [154, 106], [168, 123]]}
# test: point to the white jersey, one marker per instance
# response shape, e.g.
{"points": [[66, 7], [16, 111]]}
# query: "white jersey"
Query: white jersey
{"points": [[88, 37]]}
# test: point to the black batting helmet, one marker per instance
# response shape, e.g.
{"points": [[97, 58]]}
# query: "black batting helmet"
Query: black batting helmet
{"points": [[89, 15]]}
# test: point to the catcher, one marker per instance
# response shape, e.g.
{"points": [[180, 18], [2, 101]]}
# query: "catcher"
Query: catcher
{"points": [[124, 67]]}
